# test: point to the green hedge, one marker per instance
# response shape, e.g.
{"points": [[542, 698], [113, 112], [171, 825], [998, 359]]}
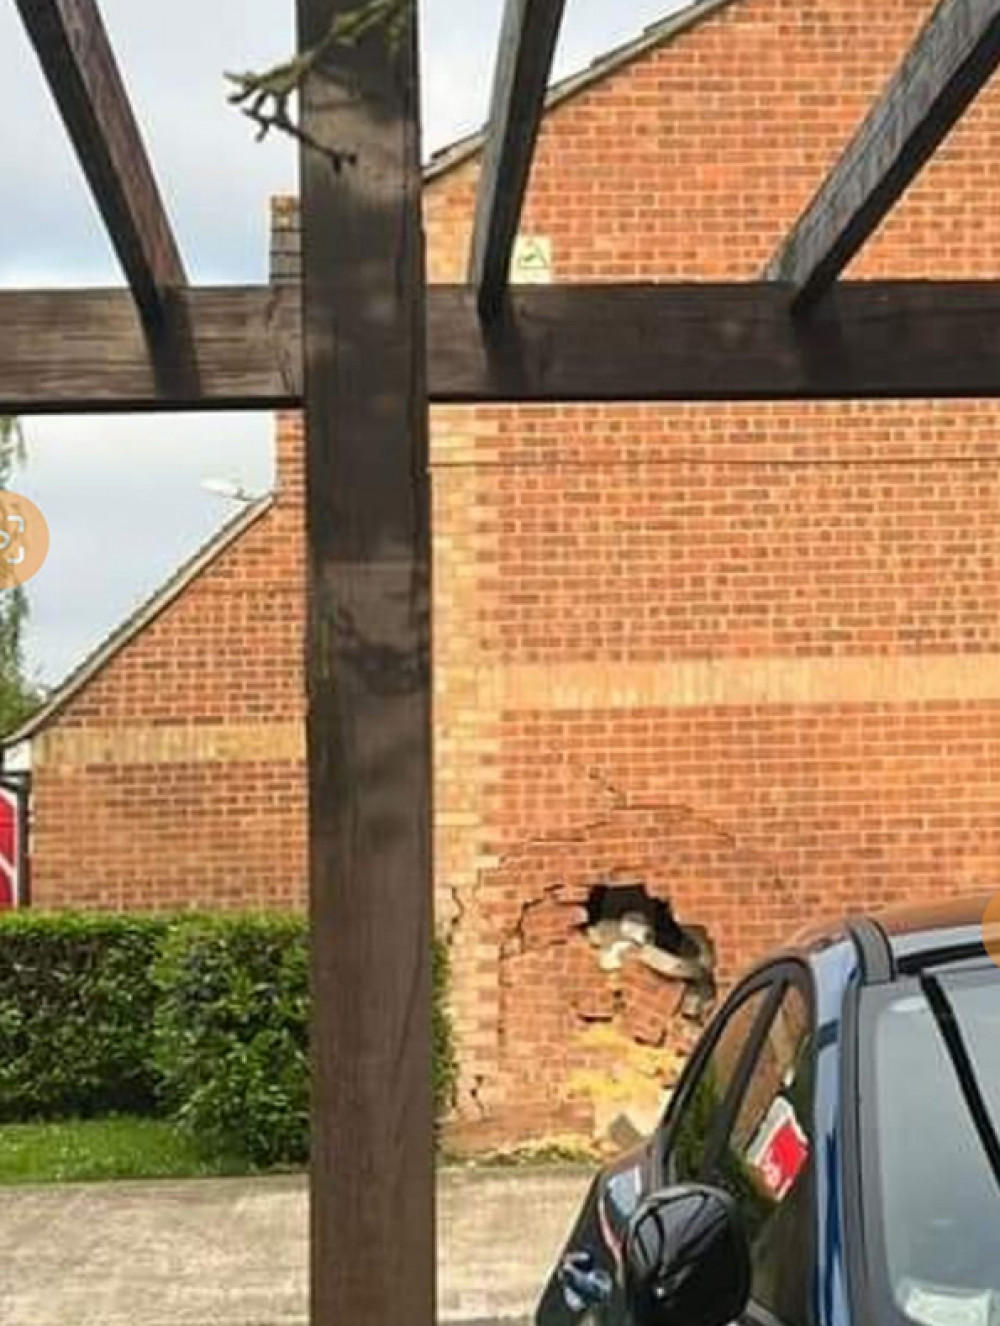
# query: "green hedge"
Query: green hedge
{"points": [[445, 1065], [232, 1035], [204, 1017], [232, 1026], [76, 1015]]}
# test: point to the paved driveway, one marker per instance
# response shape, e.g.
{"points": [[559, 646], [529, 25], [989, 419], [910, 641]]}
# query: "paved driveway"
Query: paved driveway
{"points": [[232, 1252]]}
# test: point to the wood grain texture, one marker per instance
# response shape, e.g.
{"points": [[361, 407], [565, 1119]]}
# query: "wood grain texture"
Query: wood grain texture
{"points": [[527, 47], [718, 343], [84, 351], [368, 669], [951, 61], [79, 65]]}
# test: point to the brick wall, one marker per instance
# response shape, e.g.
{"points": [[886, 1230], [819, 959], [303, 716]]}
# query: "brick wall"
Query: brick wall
{"points": [[174, 778], [745, 656]]}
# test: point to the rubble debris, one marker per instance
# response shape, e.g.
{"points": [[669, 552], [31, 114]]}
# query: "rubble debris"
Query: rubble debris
{"points": [[587, 981], [623, 920]]}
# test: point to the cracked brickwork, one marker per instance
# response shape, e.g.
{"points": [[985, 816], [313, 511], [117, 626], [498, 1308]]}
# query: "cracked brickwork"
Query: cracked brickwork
{"points": [[543, 991], [748, 655]]}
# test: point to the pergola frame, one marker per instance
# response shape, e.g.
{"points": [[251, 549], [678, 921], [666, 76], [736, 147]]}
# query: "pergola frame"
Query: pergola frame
{"points": [[363, 348]]}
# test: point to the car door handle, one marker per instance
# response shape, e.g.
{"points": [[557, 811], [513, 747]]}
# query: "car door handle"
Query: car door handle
{"points": [[584, 1285]]}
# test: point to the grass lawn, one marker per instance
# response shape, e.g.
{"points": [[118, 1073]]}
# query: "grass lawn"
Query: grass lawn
{"points": [[97, 1149]]}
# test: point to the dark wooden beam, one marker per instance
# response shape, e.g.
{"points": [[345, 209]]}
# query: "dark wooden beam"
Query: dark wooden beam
{"points": [[79, 64], [87, 352], [728, 342], [951, 61], [368, 670], [527, 47], [84, 351]]}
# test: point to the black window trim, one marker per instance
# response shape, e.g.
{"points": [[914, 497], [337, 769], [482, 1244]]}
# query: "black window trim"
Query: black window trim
{"points": [[753, 984], [775, 979], [789, 972], [855, 1261], [718, 1138]]}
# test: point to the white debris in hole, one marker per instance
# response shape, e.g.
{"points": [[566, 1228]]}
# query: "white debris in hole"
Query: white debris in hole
{"points": [[624, 930], [615, 939]]}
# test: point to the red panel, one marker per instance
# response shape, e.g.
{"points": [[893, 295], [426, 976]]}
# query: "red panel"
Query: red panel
{"points": [[8, 831], [8, 850]]}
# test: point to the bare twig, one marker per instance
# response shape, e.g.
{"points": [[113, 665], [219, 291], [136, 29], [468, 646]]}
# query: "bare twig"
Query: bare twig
{"points": [[265, 97]]}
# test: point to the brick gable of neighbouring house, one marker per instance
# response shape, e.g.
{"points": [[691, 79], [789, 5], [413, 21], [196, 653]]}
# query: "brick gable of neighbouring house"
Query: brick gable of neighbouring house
{"points": [[741, 660], [167, 771]]}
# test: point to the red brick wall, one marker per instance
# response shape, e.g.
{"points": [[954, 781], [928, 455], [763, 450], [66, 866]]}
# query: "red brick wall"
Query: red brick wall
{"points": [[747, 655], [174, 778]]}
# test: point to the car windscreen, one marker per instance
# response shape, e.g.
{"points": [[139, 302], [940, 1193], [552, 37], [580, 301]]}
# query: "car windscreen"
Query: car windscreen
{"points": [[930, 1091]]}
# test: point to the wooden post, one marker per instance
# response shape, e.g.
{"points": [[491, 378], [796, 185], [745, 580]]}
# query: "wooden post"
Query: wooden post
{"points": [[369, 731]]}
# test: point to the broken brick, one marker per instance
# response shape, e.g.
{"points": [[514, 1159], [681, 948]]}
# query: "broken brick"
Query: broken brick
{"points": [[597, 1002], [650, 1003], [589, 993], [550, 922]]}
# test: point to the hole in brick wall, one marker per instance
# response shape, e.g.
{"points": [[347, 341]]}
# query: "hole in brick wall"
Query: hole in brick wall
{"points": [[623, 918], [627, 912]]}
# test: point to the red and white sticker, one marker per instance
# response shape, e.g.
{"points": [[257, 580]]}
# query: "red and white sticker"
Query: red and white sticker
{"points": [[780, 1149]]}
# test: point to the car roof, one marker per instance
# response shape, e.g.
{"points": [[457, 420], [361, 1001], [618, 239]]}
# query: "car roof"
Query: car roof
{"points": [[924, 934], [910, 936]]}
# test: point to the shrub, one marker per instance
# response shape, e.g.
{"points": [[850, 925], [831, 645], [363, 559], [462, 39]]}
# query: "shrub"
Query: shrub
{"points": [[76, 1012], [232, 1028], [445, 1062], [231, 1034], [204, 1017]]}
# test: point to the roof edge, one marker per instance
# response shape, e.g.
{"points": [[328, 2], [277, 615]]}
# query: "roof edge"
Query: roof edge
{"points": [[448, 158], [683, 20], [137, 621]]}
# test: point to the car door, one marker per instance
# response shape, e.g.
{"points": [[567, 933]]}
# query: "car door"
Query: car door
{"points": [[727, 1124], [744, 1123], [586, 1286]]}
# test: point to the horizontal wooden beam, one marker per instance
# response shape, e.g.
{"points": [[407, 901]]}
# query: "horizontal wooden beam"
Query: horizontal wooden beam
{"points": [[85, 352], [79, 65], [527, 48], [951, 61]]}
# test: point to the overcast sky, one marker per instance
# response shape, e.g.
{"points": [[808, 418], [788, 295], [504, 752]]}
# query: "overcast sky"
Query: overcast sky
{"points": [[123, 495]]}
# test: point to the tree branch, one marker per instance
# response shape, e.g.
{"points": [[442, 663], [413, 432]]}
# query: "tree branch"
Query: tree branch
{"points": [[265, 97]]}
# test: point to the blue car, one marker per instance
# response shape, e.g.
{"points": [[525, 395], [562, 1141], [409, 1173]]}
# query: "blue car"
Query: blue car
{"points": [[831, 1154]]}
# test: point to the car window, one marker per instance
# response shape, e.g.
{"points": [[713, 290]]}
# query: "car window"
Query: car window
{"points": [[701, 1104], [931, 1061], [766, 1161]]}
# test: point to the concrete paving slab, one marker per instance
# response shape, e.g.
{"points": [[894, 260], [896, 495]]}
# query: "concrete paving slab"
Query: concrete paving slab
{"points": [[233, 1252]]}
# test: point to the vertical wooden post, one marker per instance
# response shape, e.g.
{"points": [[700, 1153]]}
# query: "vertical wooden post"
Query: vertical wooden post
{"points": [[369, 732]]}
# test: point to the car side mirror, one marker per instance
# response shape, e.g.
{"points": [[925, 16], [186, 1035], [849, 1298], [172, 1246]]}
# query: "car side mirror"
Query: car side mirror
{"points": [[687, 1259]]}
